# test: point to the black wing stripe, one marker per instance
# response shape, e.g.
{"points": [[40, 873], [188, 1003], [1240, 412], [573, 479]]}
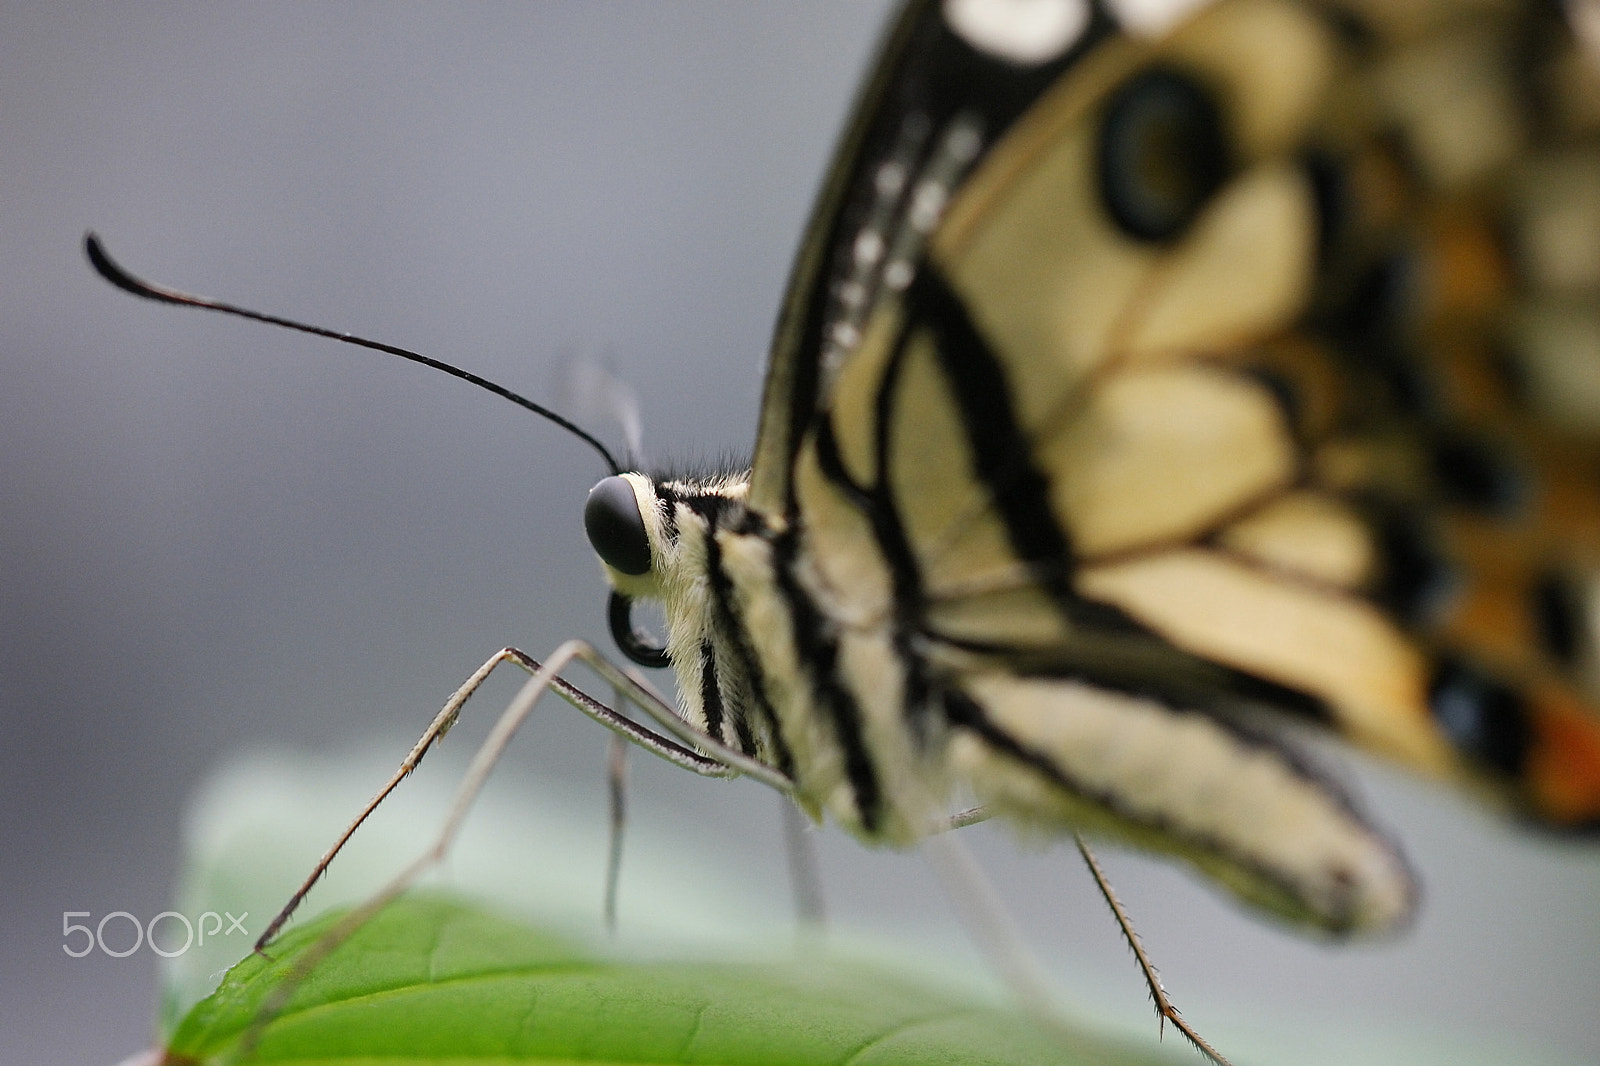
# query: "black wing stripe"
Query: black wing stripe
{"points": [[877, 504], [1001, 455], [1156, 670], [964, 712], [818, 652], [925, 69]]}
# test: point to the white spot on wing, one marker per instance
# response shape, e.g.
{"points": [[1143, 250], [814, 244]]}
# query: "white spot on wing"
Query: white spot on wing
{"points": [[1152, 18], [1019, 31], [889, 180], [868, 249], [1585, 18], [898, 275]]}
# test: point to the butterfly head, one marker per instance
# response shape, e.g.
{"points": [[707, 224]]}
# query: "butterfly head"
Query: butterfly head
{"points": [[654, 536], [629, 532]]}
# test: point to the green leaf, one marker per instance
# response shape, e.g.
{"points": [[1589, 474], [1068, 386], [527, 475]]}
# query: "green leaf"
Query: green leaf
{"points": [[434, 981]]}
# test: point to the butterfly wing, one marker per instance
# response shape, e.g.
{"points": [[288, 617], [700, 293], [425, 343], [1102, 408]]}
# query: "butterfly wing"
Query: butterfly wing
{"points": [[919, 76], [1172, 373]]}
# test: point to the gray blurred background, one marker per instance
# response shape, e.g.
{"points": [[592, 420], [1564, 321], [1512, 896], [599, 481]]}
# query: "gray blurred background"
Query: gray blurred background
{"points": [[216, 538]]}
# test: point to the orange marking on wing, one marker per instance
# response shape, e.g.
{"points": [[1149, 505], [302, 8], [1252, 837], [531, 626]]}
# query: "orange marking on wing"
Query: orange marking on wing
{"points": [[1564, 763]]}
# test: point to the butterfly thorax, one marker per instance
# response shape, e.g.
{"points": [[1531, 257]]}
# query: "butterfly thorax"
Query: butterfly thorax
{"points": [[794, 663]]}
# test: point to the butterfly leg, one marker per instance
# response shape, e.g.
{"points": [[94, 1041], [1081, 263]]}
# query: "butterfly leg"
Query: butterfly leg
{"points": [[986, 918], [1165, 1011], [671, 744], [437, 728], [617, 801], [962, 819], [677, 748], [804, 876], [998, 938]]}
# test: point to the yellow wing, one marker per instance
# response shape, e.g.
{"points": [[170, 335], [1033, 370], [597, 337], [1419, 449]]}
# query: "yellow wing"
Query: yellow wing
{"points": [[1248, 364]]}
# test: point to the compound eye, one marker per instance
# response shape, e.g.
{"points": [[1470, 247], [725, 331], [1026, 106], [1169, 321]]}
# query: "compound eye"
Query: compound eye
{"points": [[616, 528]]}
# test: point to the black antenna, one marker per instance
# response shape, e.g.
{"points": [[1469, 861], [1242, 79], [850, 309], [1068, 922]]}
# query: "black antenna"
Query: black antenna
{"points": [[107, 268]]}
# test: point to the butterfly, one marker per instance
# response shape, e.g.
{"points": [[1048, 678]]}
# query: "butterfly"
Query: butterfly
{"points": [[1135, 397], [1142, 399], [1139, 400]]}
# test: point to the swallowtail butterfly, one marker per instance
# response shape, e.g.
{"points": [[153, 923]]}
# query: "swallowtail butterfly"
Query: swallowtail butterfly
{"points": [[1135, 395], [1144, 395]]}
